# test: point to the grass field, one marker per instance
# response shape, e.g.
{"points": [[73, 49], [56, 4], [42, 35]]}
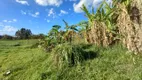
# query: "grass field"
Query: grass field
{"points": [[20, 61]]}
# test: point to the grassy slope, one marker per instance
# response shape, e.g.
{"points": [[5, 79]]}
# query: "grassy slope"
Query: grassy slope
{"points": [[34, 64]]}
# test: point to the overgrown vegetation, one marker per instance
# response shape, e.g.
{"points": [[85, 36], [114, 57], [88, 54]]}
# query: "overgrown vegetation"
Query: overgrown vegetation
{"points": [[67, 55], [34, 64], [111, 24], [93, 49], [22, 34]]}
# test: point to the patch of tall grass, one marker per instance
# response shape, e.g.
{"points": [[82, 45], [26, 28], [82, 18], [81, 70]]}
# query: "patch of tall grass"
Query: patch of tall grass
{"points": [[67, 54]]}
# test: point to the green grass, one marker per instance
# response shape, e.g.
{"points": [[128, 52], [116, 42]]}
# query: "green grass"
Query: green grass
{"points": [[26, 63]]}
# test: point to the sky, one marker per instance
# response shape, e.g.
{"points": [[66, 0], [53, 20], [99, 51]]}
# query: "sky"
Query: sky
{"points": [[40, 15]]}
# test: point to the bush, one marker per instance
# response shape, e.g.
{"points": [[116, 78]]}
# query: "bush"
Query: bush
{"points": [[7, 37], [47, 45], [38, 36], [67, 54]]}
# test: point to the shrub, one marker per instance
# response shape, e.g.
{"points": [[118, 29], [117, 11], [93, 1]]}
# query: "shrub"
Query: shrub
{"points": [[7, 37], [38, 36], [47, 45], [67, 55]]}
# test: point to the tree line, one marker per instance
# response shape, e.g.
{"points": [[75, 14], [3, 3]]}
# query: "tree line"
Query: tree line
{"points": [[22, 34]]}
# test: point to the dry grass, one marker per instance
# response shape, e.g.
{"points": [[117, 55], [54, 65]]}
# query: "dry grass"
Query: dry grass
{"points": [[130, 30]]}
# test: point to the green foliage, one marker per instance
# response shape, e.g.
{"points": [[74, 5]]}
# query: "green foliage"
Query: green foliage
{"points": [[38, 36], [52, 39], [7, 37], [14, 44], [54, 34], [67, 55], [23, 33], [102, 25], [112, 63], [105, 13], [89, 15], [69, 32], [21, 61], [83, 25]]}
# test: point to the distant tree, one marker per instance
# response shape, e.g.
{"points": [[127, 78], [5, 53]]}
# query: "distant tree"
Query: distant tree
{"points": [[7, 37], [0, 36], [23, 33]]}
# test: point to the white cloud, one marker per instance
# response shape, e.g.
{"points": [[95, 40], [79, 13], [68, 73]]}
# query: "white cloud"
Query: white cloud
{"points": [[63, 12], [77, 7], [10, 21], [22, 2], [36, 14], [5, 21], [8, 30], [48, 21], [49, 2], [14, 20], [88, 4], [23, 12], [52, 13]]}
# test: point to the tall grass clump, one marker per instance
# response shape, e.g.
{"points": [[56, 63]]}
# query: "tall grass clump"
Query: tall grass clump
{"points": [[67, 55]]}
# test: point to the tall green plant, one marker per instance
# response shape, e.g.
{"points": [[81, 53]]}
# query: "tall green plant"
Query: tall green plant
{"points": [[102, 23], [83, 29], [54, 34], [67, 55], [69, 31], [89, 15], [52, 39]]}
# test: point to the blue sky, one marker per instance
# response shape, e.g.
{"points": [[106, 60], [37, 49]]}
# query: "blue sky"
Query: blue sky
{"points": [[40, 15]]}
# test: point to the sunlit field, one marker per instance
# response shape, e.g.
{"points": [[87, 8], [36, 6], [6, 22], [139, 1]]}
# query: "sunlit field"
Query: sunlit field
{"points": [[19, 60]]}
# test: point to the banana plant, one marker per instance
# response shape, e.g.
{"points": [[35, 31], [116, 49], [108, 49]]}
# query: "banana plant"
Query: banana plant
{"points": [[69, 31], [83, 29], [54, 34], [104, 14], [89, 15]]}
